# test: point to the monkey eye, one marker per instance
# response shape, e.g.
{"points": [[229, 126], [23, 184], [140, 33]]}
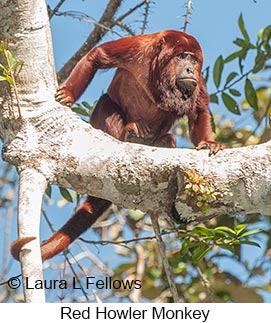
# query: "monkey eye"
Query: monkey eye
{"points": [[183, 55]]}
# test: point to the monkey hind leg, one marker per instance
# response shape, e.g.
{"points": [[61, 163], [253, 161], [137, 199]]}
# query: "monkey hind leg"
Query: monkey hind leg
{"points": [[83, 219], [109, 117], [166, 141]]}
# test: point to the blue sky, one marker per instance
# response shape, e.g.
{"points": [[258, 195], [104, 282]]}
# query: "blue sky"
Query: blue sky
{"points": [[213, 23]]}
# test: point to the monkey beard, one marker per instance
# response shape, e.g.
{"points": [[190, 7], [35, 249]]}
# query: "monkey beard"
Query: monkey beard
{"points": [[178, 100]]}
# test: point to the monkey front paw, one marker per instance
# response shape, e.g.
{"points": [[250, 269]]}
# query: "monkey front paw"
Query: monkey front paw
{"points": [[213, 146], [64, 96]]}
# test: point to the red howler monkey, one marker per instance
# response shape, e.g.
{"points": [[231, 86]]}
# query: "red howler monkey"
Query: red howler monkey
{"points": [[158, 80]]}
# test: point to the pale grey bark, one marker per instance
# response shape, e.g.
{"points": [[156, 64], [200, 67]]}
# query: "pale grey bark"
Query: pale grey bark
{"points": [[24, 24], [70, 153], [32, 187]]}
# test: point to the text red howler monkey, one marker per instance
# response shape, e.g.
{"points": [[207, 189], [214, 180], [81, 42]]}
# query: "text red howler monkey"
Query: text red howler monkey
{"points": [[158, 80]]}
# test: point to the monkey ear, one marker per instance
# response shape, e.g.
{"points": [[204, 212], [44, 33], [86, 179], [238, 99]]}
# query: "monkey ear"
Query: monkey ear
{"points": [[161, 47], [162, 42]]}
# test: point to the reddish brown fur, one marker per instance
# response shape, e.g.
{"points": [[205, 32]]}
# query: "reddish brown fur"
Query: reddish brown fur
{"points": [[151, 89]]}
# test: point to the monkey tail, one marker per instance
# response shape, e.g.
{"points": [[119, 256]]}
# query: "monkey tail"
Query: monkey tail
{"points": [[83, 218], [17, 245]]}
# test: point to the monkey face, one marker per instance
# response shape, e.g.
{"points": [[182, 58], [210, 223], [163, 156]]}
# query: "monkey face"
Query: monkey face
{"points": [[187, 73]]}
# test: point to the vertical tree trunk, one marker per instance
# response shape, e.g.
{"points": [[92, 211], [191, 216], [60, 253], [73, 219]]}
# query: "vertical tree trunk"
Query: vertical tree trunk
{"points": [[25, 26], [31, 190]]}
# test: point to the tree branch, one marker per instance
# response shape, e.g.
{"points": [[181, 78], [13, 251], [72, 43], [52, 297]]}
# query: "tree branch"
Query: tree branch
{"points": [[32, 188], [105, 24], [95, 36], [189, 5], [162, 251], [146, 15], [141, 177], [56, 8]]}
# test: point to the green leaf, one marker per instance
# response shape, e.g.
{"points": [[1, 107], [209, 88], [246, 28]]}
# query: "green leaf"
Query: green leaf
{"points": [[48, 191], [206, 74], [241, 65], [136, 214], [245, 45], [3, 45], [236, 243], [220, 233], [230, 103], [17, 65], [242, 27], [200, 252], [218, 68], [240, 228], [2, 78], [251, 243], [259, 62], [81, 111], [87, 105], [185, 248], [241, 43], [251, 232], [251, 95], [232, 56], [214, 98], [66, 194], [266, 35], [154, 273], [235, 92], [9, 79], [242, 56], [225, 229], [10, 57], [4, 69], [213, 122], [203, 231], [230, 77]]}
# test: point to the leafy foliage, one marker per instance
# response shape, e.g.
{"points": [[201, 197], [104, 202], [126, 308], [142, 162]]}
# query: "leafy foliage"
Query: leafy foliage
{"points": [[12, 65], [260, 49], [194, 255], [200, 240], [9, 71], [84, 109]]}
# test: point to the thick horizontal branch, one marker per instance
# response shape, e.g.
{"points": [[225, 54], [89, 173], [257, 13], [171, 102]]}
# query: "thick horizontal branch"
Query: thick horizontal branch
{"points": [[70, 153]]}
